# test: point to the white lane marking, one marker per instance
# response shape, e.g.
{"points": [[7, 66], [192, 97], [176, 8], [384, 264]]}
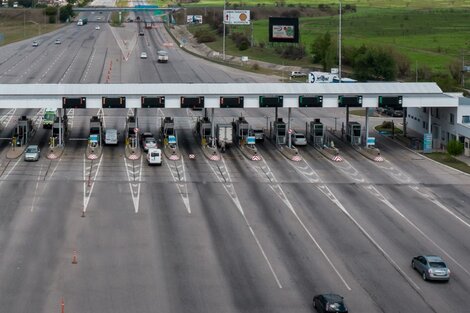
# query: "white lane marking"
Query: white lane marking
{"points": [[86, 198], [55, 168], [36, 189], [5, 119], [134, 185], [391, 206], [333, 198], [89, 65], [71, 115], [181, 183], [306, 170], [350, 170], [228, 186], [280, 192], [12, 168]]}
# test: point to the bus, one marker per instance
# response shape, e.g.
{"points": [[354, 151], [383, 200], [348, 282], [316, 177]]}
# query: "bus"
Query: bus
{"points": [[49, 118]]}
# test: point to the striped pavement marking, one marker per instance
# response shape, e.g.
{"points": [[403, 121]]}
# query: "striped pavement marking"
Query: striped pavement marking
{"points": [[92, 156], [379, 159], [133, 156], [296, 158], [256, 158], [192, 156], [214, 158], [174, 157], [337, 158], [51, 156]]}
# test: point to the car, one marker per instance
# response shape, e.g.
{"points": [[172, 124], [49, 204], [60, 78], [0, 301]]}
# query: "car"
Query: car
{"points": [[143, 55], [397, 113], [295, 74], [162, 56], [258, 133], [143, 136], [329, 302], [154, 156], [111, 136], [149, 143], [35, 43], [57, 42], [32, 153], [98, 18], [141, 33], [97, 27], [431, 267], [299, 139]]}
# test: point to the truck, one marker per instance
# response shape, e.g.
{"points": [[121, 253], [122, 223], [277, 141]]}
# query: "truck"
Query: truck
{"points": [[162, 56], [82, 21], [224, 136], [49, 118], [324, 77]]}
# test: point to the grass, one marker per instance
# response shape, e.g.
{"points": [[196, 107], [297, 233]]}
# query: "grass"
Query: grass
{"points": [[447, 159], [115, 15]]}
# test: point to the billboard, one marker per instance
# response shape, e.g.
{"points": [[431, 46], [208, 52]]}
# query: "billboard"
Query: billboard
{"points": [[283, 29], [194, 19], [237, 17]]}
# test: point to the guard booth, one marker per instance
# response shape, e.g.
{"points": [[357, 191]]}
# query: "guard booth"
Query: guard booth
{"points": [[131, 134], [242, 129], [353, 133], [96, 131], [59, 130], [317, 132], [279, 132], [168, 132], [204, 130], [23, 131]]}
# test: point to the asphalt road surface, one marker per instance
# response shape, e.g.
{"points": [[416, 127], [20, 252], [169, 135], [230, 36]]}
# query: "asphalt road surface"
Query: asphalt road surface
{"points": [[228, 236]]}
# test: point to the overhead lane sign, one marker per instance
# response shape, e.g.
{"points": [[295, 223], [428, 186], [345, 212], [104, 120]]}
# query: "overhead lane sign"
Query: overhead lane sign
{"points": [[237, 17]]}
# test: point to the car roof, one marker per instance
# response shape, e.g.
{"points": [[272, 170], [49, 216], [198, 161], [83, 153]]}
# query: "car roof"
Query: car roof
{"points": [[332, 297], [32, 146], [433, 258]]}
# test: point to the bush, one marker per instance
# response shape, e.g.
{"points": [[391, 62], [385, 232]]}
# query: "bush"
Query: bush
{"points": [[291, 52], [241, 41], [255, 66], [455, 147], [203, 36]]}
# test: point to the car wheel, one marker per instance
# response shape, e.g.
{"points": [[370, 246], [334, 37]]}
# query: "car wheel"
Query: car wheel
{"points": [[424, 276]]}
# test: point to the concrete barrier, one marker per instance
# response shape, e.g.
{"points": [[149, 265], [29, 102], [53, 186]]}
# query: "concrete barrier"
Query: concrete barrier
{"points": [[370, 153], [172, 154], [251, 153], [330, 153], [211, 153], [290, 153], [93, 153], [132, 153]]}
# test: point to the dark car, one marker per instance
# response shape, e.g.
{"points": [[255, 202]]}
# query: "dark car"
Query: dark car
{"points": [[431, 267], [141, 33], [329, 303], [397, 113]]}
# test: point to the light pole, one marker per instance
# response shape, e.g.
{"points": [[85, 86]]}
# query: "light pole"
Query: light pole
{"points": [[339, 42], [223, 38]]}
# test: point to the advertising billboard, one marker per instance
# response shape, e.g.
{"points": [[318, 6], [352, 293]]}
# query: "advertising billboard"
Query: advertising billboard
{"points": [[283, 29], [237, 17]]}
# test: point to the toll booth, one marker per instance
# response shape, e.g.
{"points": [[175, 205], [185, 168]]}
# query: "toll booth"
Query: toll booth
{"points": [[353, 133], [96, 131], [59, 130], [279, 133], [131, 134], [23, 131], [242, 130], [204, 129], [317, 132], [168, 127]]}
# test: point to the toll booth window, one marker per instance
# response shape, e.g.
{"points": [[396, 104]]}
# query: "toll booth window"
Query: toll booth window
{"points": [[318, 132], [170, 131], [356, 132], [207, 131]]}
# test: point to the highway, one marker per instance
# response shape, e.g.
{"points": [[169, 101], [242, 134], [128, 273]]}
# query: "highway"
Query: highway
{"points": [[203, 236]]}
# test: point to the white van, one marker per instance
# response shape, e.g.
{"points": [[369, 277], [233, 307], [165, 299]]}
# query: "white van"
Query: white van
{"points": [[111, 137], [154, 156]]}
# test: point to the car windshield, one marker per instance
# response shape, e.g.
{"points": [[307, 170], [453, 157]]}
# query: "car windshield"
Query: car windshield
{"points": [[149, 140], [299, 136], [31, 150], [437, 264], [154, 154]]}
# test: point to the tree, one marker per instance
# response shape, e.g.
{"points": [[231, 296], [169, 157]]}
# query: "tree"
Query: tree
{"points": [[324, 51], [455, 147], [374, 64]]}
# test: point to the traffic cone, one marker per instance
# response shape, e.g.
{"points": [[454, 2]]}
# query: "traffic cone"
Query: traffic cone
{"points": [[62, 306], [74, 258]]}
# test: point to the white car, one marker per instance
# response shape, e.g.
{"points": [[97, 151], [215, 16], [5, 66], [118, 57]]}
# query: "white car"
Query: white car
{"points": [[294, 74], [162, 56], [299, 139], [97, 27], [35, 43], [154, 156], [57, 42], [32, 153], [143, 55]]}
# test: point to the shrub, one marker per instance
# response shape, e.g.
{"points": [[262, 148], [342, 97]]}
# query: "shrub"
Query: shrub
{"points": [[255, 66], [291, 52], [455, 147]]}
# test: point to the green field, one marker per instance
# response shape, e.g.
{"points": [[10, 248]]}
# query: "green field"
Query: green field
{"points": [[358, 3], [433, 38]]}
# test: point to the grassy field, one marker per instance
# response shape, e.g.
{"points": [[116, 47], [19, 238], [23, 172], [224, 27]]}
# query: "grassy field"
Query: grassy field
{"points": [[449, 160], [359, 3], [433, 38]]}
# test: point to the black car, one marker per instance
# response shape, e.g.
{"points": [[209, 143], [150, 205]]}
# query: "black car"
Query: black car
{"points": [[329, 303]]}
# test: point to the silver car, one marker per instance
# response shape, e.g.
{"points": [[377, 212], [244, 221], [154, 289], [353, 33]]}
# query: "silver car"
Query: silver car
{"points": [[32, 153], [298, 139], [149, 143], [431, 267]]}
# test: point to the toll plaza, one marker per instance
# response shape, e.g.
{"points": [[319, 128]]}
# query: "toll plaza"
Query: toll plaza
{"points": [[170, 140], [94, 148], [59, 130], [204, 133], [245, 139]]}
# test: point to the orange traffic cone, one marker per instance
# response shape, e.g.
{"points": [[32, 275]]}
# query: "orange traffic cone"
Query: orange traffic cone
{"points": [[74, 258]]}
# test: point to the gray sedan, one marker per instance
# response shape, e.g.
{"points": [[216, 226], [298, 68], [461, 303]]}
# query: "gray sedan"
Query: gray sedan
{"points": [[431, 267], [32, 153]]}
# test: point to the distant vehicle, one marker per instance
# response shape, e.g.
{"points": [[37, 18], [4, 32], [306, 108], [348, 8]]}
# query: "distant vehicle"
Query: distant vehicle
{"points": [[15, 4], [143, 55], [98, 18], [323, 77], [148, 24], [224, 136], [149, 143], [57, 42], [431, 267], [35, 43], [299, 139], [397, 113], [32, 153], [295, 74], [143, 136], [141, 33], [154, 156], [111, 136], [258, 133], [82, 21], [162, 56], [49, 118], [97, 27], [329, 303]]}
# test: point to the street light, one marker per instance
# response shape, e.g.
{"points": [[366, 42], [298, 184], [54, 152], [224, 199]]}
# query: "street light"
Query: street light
{"points": [[339, 42]]}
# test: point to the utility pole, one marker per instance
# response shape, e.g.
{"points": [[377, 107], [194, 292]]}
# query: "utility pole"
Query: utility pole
{"points": [[223, 38], [339, 42]]}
